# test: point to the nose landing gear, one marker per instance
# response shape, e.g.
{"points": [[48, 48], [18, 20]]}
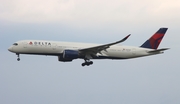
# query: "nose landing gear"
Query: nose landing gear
{"points": [[87, 62], [18, 59]]}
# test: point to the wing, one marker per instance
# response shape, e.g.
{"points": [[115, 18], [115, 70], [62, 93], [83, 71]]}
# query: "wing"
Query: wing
{"points": [[98, 49]]}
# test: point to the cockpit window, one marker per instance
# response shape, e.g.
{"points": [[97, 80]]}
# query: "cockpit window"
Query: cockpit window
{"points": [[15, 44]]}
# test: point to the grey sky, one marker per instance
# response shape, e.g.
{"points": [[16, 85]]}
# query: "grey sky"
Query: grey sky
{"points": [[44, 80]]}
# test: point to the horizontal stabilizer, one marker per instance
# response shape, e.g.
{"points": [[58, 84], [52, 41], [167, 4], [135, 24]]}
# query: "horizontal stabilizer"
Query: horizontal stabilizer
{"points": [[158, 50]]}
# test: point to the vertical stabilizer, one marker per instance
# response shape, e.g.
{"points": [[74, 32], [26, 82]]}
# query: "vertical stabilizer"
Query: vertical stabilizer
{"points": [[155, 40]]}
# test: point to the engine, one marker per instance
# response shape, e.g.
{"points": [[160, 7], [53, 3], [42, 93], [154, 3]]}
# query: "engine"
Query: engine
{"points": [[69, 55]]}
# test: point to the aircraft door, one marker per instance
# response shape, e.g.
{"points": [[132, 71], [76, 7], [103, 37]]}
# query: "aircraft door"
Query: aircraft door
{"points": [[25, 44], [134, 51], [54, 46]]}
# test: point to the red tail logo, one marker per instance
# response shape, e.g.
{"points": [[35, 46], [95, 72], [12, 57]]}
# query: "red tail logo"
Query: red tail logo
{"points": [[155, 40]]}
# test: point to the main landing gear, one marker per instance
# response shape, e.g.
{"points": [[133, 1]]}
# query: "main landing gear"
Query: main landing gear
{"points": [[18, 59], [87, 62]]}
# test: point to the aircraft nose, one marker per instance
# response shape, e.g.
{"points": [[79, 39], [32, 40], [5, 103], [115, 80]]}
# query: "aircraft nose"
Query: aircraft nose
{"points": [[10, 49]]}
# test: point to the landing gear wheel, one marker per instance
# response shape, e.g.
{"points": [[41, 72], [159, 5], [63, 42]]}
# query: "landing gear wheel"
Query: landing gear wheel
{"points": [[83, 64], [90, 62], [18, 59], [87, 63]]}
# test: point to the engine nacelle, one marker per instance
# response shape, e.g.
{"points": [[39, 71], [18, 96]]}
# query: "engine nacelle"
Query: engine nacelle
{"points": [[70, 54]]}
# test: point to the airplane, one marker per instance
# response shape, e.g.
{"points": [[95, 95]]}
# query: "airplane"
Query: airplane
{"points": [[69, 51]]}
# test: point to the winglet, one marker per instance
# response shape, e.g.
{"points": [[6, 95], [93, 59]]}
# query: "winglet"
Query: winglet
{"points": [[127, 36], [124, 38]]}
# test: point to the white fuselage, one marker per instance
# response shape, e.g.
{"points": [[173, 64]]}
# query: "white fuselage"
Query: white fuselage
{"points": [[41, 47]]}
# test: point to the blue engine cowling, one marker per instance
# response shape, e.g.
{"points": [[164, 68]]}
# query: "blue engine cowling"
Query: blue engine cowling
{"points": [[70, 54]]}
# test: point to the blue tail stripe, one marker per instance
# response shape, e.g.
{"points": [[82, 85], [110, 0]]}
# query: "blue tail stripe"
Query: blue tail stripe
{"points": [[147, 44], [162, 31]]}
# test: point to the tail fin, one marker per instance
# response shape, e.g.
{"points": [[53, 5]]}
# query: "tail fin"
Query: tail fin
{"points": [[155, 40]]}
